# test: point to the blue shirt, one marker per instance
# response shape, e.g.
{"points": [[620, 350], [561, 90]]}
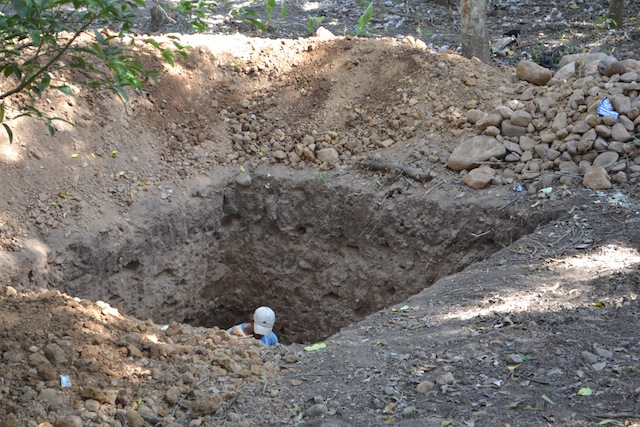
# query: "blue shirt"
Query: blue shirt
{"points": [[269, 340]]}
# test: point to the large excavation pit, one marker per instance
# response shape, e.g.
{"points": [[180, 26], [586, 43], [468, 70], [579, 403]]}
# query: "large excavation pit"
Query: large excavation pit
{"points": [[323, 249]]}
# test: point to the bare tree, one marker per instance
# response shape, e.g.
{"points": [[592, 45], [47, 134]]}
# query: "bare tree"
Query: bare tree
{"points": [[474, 33]]}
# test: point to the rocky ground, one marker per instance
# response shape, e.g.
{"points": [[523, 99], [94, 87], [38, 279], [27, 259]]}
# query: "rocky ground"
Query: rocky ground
{"points": [[540, 333]]}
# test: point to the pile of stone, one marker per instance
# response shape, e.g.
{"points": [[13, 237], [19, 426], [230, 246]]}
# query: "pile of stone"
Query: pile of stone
{"points": [[558, 130]]}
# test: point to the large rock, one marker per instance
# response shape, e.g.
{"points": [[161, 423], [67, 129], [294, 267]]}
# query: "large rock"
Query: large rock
{"points": [[329, 155], [533, 73], [620, 133], [470, 153], [493, 119], [566, 72], [596, 178], [606, 159], [68, 421], [480, 177], [55, 354], [521, 118], [584, 57], [510, 129]]}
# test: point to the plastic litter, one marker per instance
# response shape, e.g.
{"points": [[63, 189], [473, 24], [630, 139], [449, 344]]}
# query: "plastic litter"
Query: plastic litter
{"points": [[316, 347], [606, 109], [65, 381]]}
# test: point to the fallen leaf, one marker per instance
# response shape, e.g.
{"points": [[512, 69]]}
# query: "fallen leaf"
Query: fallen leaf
{"points": [[74, 155], [113, 154], [597, 304], [316, 347], [514, 367], [388, 409], [585, 391], [546, 398], [574, 6], [426, 368], [296, 383], [513, 405], [122, 173], [404, 308], [143, 181], [54, 204]]}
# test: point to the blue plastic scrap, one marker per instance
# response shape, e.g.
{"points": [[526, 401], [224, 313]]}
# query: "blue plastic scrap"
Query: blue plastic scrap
{"points": [[606, 109]]}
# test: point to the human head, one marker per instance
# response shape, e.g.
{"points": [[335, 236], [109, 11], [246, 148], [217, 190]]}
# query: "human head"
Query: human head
{"points": [[263, 320]]}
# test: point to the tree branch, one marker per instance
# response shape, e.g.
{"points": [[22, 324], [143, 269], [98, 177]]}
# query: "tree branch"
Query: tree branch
{"points": [[28, 81]]}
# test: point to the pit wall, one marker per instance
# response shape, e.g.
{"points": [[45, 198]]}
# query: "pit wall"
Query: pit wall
{"points": [[323, 250]]}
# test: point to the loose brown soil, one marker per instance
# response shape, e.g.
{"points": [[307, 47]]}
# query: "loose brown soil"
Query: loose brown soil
{"points": [[513, 331]]}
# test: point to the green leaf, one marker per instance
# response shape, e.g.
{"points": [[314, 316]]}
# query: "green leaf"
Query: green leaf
{"points": [[36, 37], [21, 7], [65, 89], [168, 56], [585, 391], [120, 92], [99, 36], [546, 398], [9, 132], [257, 23], [13, 69], [2, 112], [365, 18], [152, 42]]}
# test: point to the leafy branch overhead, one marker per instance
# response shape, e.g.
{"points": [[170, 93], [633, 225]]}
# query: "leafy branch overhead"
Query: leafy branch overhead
{"points": [[40, 41]]}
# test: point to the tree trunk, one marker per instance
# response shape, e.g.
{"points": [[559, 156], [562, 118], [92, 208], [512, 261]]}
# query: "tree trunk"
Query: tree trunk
{"points": [[616, 12], [474, 29]]}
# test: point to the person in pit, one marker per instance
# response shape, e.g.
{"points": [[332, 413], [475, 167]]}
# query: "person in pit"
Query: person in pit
{"points": [[260, 326]]}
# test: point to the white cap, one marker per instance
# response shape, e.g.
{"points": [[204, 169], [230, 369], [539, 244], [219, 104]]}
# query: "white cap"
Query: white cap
{"points": [[263, 320]]}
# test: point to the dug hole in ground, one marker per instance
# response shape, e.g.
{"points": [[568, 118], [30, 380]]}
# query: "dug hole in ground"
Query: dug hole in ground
{"points": [[133, 239]]}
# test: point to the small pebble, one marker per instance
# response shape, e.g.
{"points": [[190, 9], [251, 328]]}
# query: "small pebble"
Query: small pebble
{"points": [[514, 358], [316, 410], [424, 387], [243, 179], [589, 357]]}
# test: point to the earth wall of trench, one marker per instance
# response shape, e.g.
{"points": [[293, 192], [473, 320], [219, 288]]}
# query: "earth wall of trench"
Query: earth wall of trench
{"points": [[324, 250]]}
